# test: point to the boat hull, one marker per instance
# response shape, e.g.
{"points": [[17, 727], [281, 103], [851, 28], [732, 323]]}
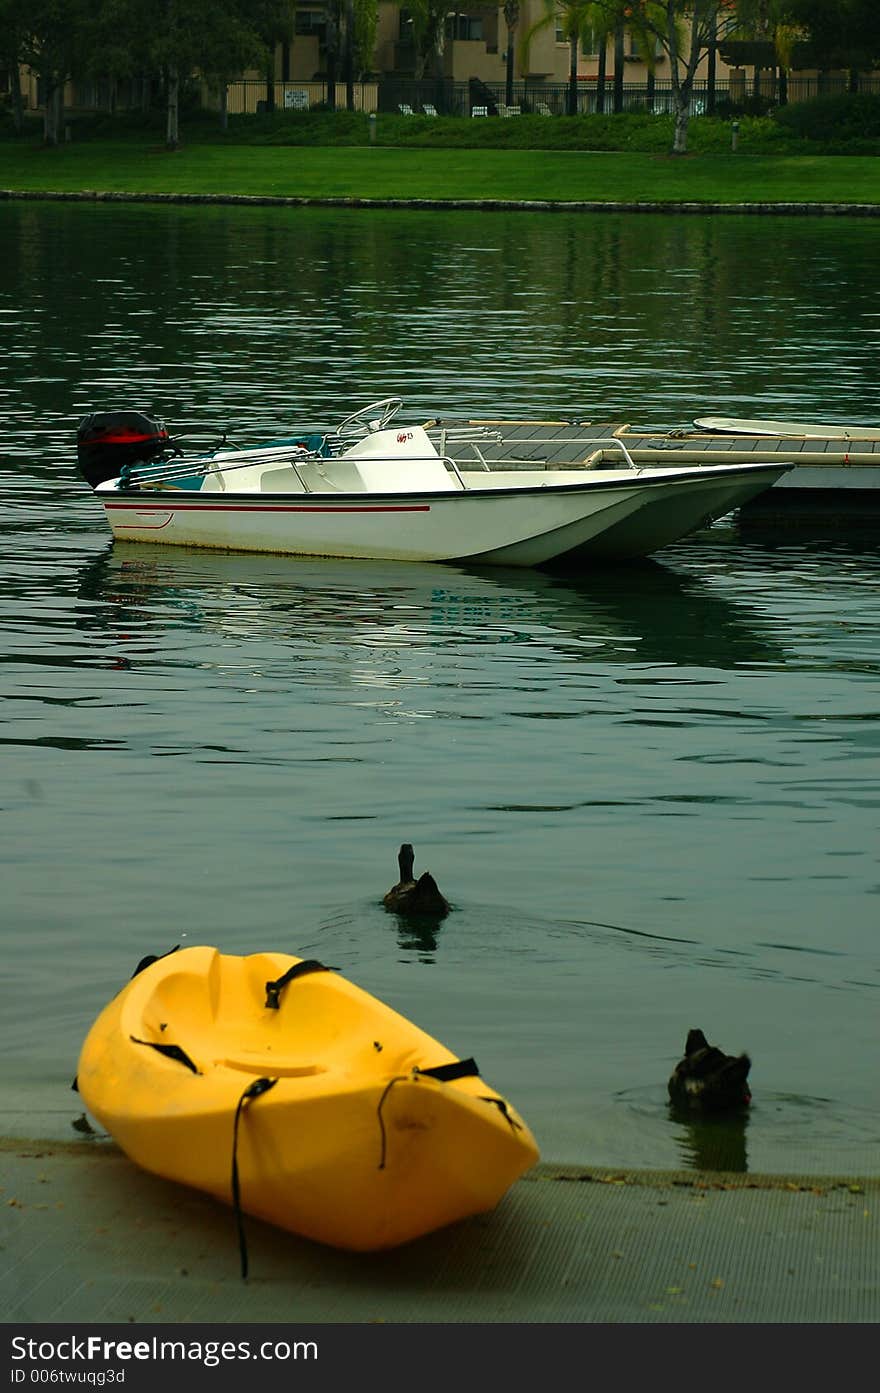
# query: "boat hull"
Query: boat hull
{"points": [[602, 515], [351, 1146]]}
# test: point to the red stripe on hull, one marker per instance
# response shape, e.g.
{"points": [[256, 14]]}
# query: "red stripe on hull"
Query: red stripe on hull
{"points": [[166, 507]]}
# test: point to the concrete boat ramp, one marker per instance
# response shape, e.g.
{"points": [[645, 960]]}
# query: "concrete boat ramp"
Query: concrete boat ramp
{"points": [[87, 1237]]}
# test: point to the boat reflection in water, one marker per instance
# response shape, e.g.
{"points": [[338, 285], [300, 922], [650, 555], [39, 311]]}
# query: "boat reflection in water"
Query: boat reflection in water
{"points": [[647, 614]]}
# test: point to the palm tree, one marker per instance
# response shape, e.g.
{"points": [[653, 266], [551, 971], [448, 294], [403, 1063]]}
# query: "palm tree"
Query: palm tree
{"points": [[579, 21]]}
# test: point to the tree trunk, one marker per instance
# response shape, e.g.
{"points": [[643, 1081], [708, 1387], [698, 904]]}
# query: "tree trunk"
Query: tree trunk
{"points": [[681, 106], [710, 78], [618, 67], [508, 79], [172, 121], [600, 76], [17, 100], [349, 55], [53, 110], [224, 105], [573, 76], [332, 41], [651, 88]]}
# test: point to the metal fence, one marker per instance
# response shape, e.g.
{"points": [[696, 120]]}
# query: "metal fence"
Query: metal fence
{"points": [[445, 97], [248, 97]]}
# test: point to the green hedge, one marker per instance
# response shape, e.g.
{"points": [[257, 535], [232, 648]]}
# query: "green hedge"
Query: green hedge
{"points": [[851, 118], [846, 125], [637, 132]]}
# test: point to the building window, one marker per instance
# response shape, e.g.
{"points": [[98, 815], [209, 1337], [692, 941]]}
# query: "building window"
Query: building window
{"points": [[311, 22], [464, 26], [587, 43]]}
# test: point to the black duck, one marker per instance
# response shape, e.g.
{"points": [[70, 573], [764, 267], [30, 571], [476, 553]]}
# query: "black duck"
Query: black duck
{"points": [[706, 1078], [410, 896]]}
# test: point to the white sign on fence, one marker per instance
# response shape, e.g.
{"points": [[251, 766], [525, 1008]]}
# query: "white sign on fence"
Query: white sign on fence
{"points": [[296, 98]]}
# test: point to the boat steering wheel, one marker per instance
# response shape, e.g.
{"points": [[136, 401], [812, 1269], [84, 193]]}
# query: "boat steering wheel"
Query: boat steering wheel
{"points": [[359, 422]]}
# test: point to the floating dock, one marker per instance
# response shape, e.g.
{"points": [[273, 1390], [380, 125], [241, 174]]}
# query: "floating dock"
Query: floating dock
{"points": [[834, 482]]}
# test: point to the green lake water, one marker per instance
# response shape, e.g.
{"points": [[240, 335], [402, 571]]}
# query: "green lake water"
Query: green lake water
{"points": [[652, 794]]}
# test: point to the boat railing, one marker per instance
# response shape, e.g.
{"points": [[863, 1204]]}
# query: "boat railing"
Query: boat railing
{"points": [[465, 435], [615, 440], [172, 471], [591, 445], [177, 469]]}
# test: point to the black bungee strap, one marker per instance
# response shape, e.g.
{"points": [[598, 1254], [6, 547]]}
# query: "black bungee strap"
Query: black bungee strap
{"points": [[274, 989], [503, 1108], [443, 1073], [153, 958], [458, 1069], [170, 1052], [253, 1090], [144, 962]]}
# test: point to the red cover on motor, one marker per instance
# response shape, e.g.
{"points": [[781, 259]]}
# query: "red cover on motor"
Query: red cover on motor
{"points": [[108, 440]]}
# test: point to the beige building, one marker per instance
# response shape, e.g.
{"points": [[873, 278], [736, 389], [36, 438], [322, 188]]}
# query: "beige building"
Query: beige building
{"points": [[475, 45], [474, 49]]}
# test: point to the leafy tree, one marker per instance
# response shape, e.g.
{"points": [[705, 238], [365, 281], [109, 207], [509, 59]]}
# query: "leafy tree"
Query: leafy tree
{"points": [[838, 33], [179, 37], [361, 17], [55, 46], [366, 18], [685, 30], [14, 17], [429, 33]]}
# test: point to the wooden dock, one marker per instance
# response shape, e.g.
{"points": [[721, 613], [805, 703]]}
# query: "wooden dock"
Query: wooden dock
{"points": [[835, 482]]}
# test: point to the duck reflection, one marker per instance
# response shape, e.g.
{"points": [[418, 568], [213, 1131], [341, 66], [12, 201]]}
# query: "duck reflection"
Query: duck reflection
{"points": [[711, 1142], [419, 933]]}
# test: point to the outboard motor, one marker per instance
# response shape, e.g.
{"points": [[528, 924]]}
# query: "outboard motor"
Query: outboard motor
{"points": [[108, 440]]}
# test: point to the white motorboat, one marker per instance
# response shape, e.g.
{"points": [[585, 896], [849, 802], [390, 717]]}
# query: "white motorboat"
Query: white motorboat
{"points": [[422, 492]]}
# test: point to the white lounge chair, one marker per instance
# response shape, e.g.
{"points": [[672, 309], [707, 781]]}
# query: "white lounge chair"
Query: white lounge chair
{"points": [[543, 109], [404, 108], [509, 110], [479, 111], [428, 109]]}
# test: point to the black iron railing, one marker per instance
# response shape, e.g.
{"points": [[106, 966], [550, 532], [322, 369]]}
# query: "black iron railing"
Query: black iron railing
{"points": [[446, 97]]}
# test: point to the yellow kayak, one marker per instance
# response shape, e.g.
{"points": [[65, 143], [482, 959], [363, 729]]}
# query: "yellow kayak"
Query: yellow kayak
{"points": [[280, 1087]]}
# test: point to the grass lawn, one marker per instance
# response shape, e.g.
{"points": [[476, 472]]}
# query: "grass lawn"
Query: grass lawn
{"points": [[381, 172]]}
